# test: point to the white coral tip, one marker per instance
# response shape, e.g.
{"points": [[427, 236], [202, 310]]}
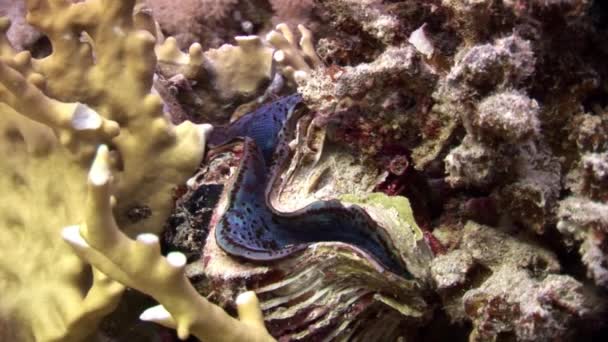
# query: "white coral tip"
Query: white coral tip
{"points": [[147, 238], [100, 170], [245, 298], [85, 118], [204, 131], [176, 259], [71, 234], [279, 56], [157, 314]]}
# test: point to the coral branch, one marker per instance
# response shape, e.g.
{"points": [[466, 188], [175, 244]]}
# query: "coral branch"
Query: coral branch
{"points": [[296, 60], [73, 122], [96, 81], [139, 264], [101, 299], [189, 64]]}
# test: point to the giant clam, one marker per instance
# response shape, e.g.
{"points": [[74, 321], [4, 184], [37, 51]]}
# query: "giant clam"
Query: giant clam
{"points": [[347, 267]]}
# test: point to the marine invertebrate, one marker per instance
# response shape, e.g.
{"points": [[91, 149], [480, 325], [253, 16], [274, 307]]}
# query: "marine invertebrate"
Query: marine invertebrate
{"points": [[231, 70], [491, 111], [171, 57], [265, 126], [95, 88], [297, 60], [239, 70], [209, 85], [353, 251], [490, 58], [332, 289], [106, 247], [251, 229]]}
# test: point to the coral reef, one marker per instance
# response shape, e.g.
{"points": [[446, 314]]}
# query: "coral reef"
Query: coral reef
{"points": [[377, 170], [541, 303], [332, 289], [462, 87], [95, 88], [101, 242], [374, 245]]}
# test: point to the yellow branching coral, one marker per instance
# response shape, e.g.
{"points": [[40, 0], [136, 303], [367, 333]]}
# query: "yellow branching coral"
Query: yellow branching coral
{"points": [[39, 276], [237, 70], [297, 60], [188, 64], [111, 70], [95, 88], [139, 264], [234, 69], [240, 69]]}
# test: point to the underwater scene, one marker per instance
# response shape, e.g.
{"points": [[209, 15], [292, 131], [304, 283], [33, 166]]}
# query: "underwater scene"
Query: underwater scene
{"points": [[303, 170]]}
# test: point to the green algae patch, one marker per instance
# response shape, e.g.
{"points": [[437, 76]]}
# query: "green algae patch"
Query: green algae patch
{"points": [[399, 204]]}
